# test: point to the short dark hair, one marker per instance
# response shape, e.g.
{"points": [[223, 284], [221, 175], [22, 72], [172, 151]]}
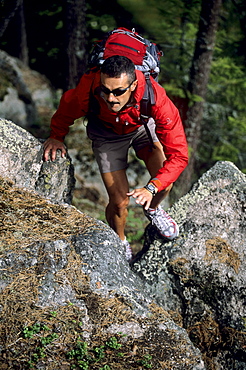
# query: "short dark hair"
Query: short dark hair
{"points": [[116, 65]]}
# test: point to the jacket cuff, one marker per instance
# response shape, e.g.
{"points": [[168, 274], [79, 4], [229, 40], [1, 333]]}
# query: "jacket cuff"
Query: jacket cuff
{"points": [[57, 137], [156, 182]]}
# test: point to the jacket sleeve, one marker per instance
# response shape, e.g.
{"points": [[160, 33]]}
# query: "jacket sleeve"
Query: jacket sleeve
{"points": [[74, 104], [170, 132]]}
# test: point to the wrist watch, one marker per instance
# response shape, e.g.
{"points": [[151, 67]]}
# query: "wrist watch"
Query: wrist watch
{"points": [[151, 188]]}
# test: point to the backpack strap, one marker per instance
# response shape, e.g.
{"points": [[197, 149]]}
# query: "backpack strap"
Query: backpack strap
{"points": [[145, 107]]}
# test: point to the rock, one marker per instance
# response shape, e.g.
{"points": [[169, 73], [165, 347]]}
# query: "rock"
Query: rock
{"points": [[202, 273], [68, 296], [26, 96], [64, 282], [21, 161]]}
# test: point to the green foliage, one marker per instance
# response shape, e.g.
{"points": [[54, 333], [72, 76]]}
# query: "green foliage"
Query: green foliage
{"points": [[227, 84], [53, 313], [79, 352], [104, 22], [99, 352], [173, 26], [30, 331], [145, 362], [224, 128], [232, 143], [48, 339], [82, 356], [113, 343], [37, 333]]}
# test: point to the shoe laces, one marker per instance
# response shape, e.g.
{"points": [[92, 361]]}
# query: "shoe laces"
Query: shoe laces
{"points": [[163, 217], [164, 223]]}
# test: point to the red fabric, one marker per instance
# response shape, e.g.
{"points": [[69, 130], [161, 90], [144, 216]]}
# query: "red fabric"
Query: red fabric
{"points": [[122, 44], [75, 104]]}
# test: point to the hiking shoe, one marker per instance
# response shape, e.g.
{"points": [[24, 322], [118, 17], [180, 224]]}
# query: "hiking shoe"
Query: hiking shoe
{"points": [[165, 225], [128, 250]]}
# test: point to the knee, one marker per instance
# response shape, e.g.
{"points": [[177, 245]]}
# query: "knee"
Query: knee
{"points": [[119, 205]]}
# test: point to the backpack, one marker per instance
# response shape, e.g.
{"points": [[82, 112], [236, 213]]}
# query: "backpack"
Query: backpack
{"points": [[143, 53]]}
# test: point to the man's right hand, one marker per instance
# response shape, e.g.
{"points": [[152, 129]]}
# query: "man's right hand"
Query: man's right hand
{"points": [[50, 148]]}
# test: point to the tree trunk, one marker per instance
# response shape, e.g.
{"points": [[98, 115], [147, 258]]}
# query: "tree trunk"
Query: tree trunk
{"points": [[8, 10], [199, 76], [76, 41], [22, 36], [14, 10]]}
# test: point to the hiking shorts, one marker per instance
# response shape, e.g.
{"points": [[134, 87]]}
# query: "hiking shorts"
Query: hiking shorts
{"points": [[111, 149]]}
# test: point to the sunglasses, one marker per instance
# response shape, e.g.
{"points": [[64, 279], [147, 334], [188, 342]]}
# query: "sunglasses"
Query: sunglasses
{"points": [[115, 92]]}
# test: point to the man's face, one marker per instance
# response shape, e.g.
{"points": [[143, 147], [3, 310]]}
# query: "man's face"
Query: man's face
{"points": [[111, 85]]}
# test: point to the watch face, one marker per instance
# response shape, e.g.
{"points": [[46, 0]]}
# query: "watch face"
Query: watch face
{"points": [[151, 188]]}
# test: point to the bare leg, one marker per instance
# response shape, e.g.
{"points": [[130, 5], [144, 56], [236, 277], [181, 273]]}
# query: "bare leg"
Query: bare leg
{"points": [[165, 225], [154, 161], [117, 186]]}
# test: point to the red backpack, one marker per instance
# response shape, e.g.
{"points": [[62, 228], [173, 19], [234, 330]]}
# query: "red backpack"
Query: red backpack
{"points": [[121, 41], [143, 53]]}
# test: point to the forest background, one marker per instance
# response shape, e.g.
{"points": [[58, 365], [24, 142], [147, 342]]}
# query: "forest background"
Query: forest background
{"points": [[202, 69]]}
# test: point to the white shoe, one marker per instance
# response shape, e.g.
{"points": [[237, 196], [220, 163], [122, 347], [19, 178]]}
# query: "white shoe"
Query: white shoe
{"points": [[165, 225], [128, 250]]}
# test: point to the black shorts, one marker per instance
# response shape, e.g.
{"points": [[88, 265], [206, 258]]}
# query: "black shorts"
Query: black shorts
{"points": [[111, 149]]}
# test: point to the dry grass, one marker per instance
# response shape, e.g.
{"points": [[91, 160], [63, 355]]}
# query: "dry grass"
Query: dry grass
{"points": [[69, 323], [218, 248], [26, 218]]}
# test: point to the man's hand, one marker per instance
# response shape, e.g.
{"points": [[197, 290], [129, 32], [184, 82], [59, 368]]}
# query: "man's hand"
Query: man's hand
{"points": [[142, 196], [50, 148]]}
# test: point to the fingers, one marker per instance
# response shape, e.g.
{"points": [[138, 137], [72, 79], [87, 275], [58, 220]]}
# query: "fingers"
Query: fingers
{"points": [[50, 148], [130, 193], [142, 196], [46, 153], [53, 154]]}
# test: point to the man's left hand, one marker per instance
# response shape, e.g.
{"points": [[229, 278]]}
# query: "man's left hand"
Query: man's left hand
{"points": [[142, 196]]}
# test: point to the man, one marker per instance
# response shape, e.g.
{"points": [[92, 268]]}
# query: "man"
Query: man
{"points": [[110, 98]]}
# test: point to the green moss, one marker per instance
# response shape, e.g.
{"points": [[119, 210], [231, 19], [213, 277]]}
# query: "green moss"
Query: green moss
{"points": [[47, 178]]}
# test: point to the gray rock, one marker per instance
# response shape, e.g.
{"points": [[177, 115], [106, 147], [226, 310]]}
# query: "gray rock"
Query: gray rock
{"points": [[49, 268], [198, 280], [202, 273], [100, 273], [26, 96], [21, 161]]}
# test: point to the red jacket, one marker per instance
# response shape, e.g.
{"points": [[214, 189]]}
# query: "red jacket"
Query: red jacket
{"points": [[169, 129]]}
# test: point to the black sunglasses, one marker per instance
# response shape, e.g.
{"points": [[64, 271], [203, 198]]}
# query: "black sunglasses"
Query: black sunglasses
{"points": [[115, 92]]}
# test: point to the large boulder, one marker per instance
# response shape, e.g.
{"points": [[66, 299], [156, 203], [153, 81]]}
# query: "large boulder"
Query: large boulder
{"points": [[21, 161], [26, 96], [68, 296], [202, 274]]}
